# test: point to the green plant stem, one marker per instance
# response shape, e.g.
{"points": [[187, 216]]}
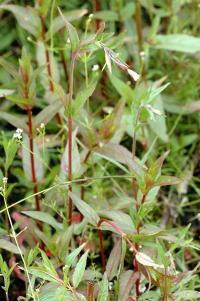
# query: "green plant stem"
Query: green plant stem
{"points": [[17, 244], [7, 298], [69, 123]]}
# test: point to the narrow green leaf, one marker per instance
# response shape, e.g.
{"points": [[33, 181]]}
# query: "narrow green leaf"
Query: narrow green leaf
{"points": [[39, 272], [20, 101], [26, 159], [106, 15], [44, 217], [72, 256], [88, 212], [167, 180], [187, 295], [83, 95], [178, 42], [27, 17], [47, 113], [123, 89], [73, 35], [79, 270], [6, 92], [9, 246], [58, 23], [16, 120], [114, 260], [103, 289], [127, 11], [120, 154]]}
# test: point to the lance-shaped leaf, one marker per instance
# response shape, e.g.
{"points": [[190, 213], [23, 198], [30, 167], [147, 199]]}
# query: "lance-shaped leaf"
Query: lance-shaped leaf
{"points": [[120, 154], [79, 270], [112, 122], [82, 96], [47, 113], [16, 120], [26, 160], [76, 161], [167, 180], [70, 259], [88, 212], [6, 92], [123, 89], [103, 289], [8, 246], [45, 218], [73, 35], [27, 17], [114, 260], [178, 42], [155, 168], [126, 282], [58, 23], [9, 68], [20, 101]]}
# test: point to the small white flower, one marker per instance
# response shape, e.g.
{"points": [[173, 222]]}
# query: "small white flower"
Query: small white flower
{"points": [[5, 180], [142, 54], [133, 74], [95, 68], [17, 136], [91, 16], [42, 125], [19, 131], [68, 41], [110, 285]]}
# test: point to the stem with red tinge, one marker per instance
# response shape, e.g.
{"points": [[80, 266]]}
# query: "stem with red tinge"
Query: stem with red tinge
{"points": [[31, 147]]}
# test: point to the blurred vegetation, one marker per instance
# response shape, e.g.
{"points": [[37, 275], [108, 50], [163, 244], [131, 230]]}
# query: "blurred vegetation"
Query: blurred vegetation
{"points": [[82, 145]]}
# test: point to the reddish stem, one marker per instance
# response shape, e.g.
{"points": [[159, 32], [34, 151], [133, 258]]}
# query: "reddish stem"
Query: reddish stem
{"points": [[103, 258], [31, 147], [97, 8], [135, 263], [34, 179], [90, 291], [48, 63], [64, 65]]}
